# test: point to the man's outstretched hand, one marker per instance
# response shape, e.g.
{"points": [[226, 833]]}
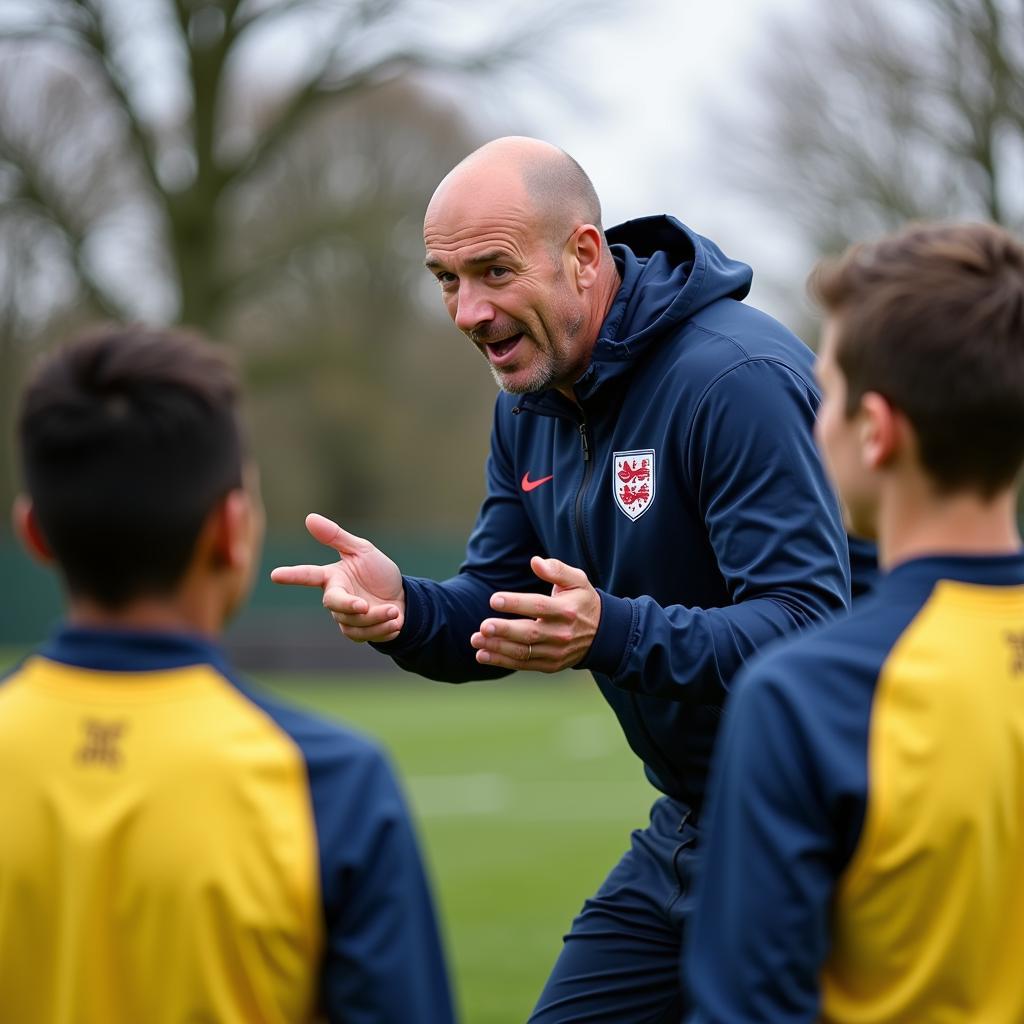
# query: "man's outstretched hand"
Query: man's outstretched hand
{"points": [[363, 590], [557, 631]]}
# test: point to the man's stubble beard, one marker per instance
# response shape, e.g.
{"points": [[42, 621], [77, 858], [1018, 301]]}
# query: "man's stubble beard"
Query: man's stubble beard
{"points": [[552, 368]]}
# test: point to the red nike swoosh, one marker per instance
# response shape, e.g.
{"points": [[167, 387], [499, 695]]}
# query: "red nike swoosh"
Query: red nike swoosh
{"points": [[529, 485]]}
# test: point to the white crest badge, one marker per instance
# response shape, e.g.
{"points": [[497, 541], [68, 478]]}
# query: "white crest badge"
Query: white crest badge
{"points": [[633, 481]]}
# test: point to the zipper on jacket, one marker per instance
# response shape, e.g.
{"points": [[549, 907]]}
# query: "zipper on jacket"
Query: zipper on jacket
{"points": [[665, 771], [588, 469]]}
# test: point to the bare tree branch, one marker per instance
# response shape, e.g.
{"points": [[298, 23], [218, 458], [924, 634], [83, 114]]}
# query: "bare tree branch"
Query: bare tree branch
{"points": [[96, 38], [362, 56], [884, 112], [320, 88]]}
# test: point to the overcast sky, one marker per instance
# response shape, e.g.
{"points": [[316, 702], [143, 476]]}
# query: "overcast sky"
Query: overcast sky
{"points": [[637, 88], [655, 75]]}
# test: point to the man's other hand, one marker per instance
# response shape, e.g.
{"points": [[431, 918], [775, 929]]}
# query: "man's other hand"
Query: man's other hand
{"points": [[557, 631]]}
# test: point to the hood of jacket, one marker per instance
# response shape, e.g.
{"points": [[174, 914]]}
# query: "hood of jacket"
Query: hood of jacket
{"points": [[669, 273]]}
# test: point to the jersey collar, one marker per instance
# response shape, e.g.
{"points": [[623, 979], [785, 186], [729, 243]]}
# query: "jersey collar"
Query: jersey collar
{"points": [[126, 650], [984, 570]]}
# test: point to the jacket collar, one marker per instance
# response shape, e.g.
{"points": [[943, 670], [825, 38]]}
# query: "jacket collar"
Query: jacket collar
{"points": [[611, 358], [668, 274]]}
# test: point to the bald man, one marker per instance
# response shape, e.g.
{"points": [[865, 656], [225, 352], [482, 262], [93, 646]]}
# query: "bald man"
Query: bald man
{"points": [[656, 513]]}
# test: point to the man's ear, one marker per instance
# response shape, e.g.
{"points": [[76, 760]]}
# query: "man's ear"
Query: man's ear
{"points": [[881, 431], [28, 531], [585, 252]]}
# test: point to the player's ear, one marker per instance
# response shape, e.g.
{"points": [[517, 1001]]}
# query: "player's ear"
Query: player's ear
{"points": [[880, 433], [230, 528], [585, 252], [28, 530]]}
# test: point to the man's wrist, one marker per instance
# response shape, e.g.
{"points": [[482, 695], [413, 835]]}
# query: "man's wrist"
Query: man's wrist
{"points": [[412, 621], [614, 628]]}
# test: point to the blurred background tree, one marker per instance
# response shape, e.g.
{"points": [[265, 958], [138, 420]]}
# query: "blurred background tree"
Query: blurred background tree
{"points": [[258, 169], [866, 114]]}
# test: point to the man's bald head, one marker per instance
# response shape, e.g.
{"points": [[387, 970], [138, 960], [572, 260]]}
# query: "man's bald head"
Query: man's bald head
{"points": [[557, 188], [513, 237]]}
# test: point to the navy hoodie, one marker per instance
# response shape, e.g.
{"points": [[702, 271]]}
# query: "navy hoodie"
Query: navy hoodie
{"points": [[726, 537]]}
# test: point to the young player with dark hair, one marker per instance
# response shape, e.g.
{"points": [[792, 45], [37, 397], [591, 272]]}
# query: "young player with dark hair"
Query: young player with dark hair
{"points": [[179, 847], [865, 840]]}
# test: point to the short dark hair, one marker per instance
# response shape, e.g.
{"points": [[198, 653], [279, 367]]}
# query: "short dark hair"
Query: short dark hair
{"points": [[128, 437], [932, 318]]}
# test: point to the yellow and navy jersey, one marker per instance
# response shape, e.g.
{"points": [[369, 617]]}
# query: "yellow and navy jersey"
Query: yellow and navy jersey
{"points": [[179, 848], [865, 842]]}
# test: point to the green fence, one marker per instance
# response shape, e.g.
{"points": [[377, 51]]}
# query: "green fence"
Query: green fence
{"points": [[280, 627]]}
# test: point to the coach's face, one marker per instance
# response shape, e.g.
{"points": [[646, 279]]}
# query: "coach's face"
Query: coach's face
{"points": [[507, 285], [841, 439]]}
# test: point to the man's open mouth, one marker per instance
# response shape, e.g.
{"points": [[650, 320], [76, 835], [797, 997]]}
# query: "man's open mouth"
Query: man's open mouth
{"points": [[501, 352]]}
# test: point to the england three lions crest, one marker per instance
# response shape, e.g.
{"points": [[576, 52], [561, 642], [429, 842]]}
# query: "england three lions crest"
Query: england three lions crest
{"points": [[633, 481]]}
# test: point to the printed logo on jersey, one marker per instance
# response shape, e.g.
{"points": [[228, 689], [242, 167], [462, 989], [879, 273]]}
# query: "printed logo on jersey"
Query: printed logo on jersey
{"points": [[1016, 645], [633, 481], [101, 743]]}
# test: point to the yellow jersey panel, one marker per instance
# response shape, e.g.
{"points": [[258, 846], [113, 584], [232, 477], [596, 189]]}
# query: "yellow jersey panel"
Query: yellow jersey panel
{"points": [[160, 852], [929, 915]]}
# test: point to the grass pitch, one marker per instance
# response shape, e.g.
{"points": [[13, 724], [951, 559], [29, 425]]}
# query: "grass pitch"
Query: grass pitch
{"points": [[525, 793]]}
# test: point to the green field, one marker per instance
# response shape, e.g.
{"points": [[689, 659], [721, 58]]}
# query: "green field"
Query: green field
{"points": [[525, 793]]}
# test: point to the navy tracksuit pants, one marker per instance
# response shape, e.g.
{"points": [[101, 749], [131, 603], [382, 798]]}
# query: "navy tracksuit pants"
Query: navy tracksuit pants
{"points": [[621, 958]]}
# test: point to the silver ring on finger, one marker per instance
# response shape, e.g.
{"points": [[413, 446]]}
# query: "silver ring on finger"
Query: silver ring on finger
{"points": [[529, 651]]}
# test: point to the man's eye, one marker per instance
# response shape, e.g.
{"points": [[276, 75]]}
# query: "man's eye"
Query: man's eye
{"points": [[498, 272], [445, 278]]}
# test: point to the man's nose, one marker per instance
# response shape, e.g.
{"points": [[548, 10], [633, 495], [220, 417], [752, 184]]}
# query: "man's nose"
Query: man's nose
{"points": [[472, 308]]}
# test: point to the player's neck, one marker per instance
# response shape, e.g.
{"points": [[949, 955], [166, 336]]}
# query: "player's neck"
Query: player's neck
{"points": [[184, 612], [917, 525]]}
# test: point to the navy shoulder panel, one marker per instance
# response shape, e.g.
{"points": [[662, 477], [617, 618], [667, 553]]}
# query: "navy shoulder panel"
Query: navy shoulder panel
{"points": [[790, 783], [383, 959], [318, 737], [352, 787], [823, 682]]}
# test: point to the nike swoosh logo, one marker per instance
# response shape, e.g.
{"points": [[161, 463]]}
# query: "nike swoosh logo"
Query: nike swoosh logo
{"points": [[529, 485]]}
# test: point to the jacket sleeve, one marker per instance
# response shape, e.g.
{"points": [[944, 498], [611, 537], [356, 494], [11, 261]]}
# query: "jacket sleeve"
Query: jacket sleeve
{"points": [[766, 871], [774, 525], [383, 961], [440, 617]]}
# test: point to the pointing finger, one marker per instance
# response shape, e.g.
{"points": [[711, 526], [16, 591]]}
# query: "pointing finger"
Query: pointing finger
{"points": [[300, 575]]}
